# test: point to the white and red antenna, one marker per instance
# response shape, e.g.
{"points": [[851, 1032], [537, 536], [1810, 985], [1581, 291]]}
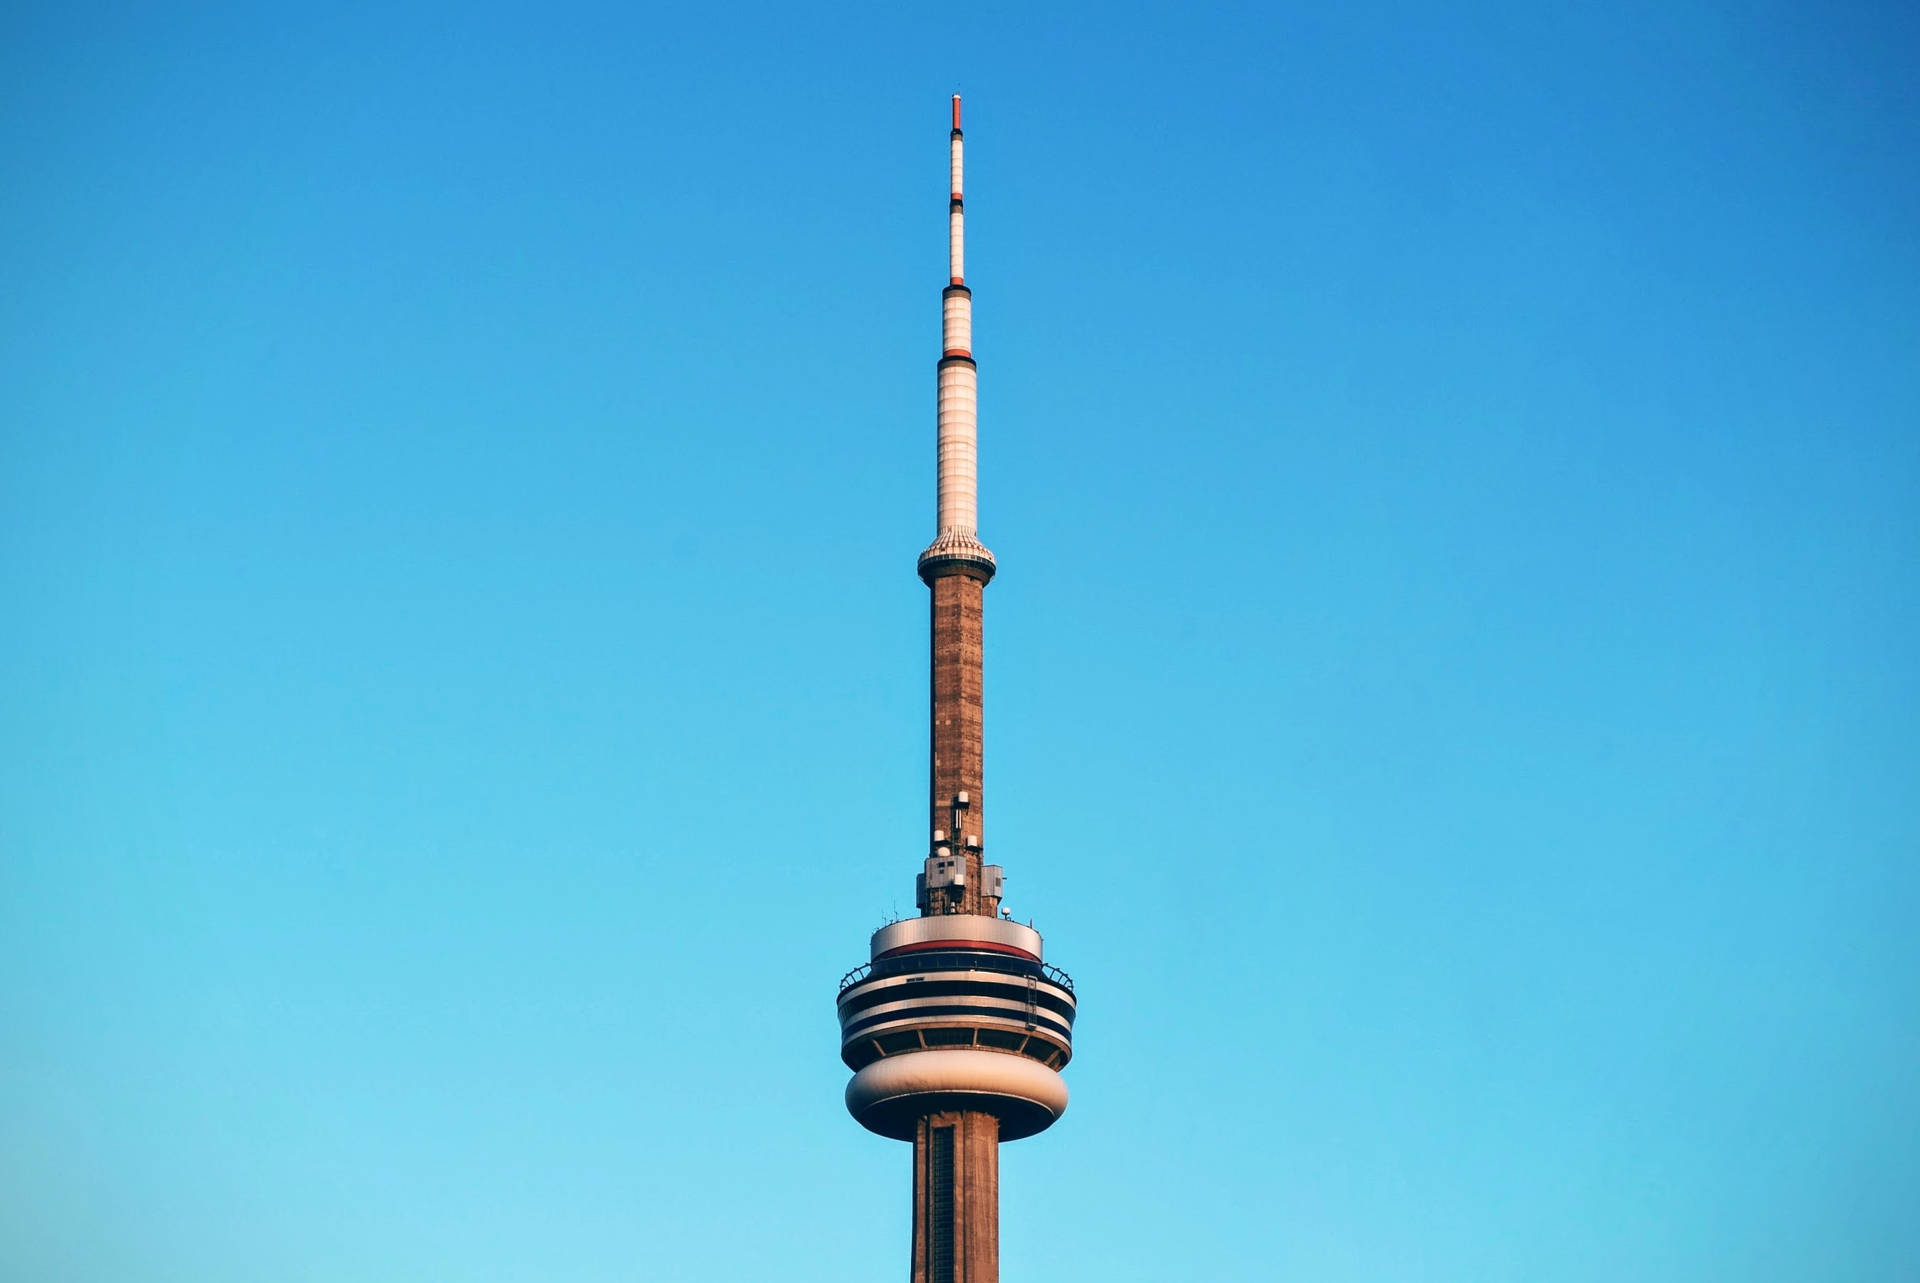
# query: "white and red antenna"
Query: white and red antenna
{"points": [[956, 526]]}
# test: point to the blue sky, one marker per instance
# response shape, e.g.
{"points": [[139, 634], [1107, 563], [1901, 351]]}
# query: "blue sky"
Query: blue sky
{"points": [[1450, 686]]}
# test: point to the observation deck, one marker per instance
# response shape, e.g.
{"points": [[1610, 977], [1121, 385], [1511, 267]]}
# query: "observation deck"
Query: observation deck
{"points": [[956, 1012]]}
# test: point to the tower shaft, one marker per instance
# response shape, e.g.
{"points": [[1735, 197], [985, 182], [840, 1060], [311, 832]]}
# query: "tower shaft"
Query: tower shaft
{"points": [[958, 726], [956, 1198]]}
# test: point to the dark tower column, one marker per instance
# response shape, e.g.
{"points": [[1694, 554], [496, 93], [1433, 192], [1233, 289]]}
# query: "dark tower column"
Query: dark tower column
{"points": [[956, 765], [956, 1198]]}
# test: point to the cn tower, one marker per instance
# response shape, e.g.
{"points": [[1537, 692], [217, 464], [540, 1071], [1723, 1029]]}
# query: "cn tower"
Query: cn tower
{"points": [[957, 1028]]}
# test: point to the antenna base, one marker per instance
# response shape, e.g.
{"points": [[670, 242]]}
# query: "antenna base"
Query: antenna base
{"points": [[956, 552]]}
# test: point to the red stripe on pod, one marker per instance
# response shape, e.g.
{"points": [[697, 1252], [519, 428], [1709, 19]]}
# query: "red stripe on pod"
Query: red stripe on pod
{"points": [[950, 945]]}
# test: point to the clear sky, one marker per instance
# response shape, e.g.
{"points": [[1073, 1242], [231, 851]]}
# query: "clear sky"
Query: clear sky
{"points": [[1451, 682]]}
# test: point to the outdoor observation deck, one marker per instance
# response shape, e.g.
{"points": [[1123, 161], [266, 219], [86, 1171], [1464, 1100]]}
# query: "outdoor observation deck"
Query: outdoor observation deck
{"points": [[951, 996]]}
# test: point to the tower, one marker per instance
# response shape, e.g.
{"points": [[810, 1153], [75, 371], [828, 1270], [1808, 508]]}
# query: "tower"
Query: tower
{"points": [[956, 1029]]}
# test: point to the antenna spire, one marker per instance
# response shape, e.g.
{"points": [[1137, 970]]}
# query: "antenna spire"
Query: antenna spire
{"points": [[956, 541]]}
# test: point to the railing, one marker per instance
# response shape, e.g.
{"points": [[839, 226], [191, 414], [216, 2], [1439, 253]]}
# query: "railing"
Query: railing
{"points": [[956, 960]]}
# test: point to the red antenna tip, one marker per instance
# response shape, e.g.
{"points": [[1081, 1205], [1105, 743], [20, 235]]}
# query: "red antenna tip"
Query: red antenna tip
{"points": [[956, 111]]}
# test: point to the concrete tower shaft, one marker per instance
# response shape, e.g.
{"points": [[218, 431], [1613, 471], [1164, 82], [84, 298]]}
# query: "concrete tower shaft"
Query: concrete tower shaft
{"points": [[956, 763], [956, 1198]]}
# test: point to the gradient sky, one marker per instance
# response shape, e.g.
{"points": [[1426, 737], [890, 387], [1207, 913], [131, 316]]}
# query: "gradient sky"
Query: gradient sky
{"points": [[1451, 683]]}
